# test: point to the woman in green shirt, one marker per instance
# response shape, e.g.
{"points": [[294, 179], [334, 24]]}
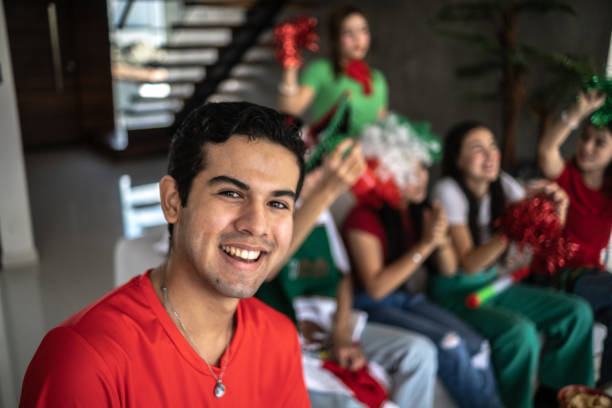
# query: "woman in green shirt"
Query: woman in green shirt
{"points": [[325, 80]]}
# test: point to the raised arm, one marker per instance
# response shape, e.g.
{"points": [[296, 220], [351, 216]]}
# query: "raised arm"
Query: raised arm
{"points": [[549, 154], [293, 98]]}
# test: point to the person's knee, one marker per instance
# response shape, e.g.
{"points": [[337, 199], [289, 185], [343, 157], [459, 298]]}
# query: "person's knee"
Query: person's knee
{"points": [[422, 353], [523, 336], [580, 311]]}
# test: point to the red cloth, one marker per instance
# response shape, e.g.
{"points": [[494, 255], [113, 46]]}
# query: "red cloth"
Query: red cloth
{"points": [[589, 217], [364, 218], [125, 351], [360, 72], [365, 388]]}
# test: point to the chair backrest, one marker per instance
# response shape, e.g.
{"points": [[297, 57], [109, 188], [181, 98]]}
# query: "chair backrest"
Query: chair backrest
{"points": [[140, 207]]}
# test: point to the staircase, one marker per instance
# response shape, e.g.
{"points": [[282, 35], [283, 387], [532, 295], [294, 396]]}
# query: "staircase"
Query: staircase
{"points": [[207, 50]]}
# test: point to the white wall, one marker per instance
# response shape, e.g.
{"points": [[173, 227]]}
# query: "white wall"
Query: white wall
{"points": [[16, 237]]}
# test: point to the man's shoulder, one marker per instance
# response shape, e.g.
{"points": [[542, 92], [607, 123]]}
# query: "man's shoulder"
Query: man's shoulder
{"points": [[115, 315]]}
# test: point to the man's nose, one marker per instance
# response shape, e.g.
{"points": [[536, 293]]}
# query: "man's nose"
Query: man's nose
{"points": [[253, 219]]}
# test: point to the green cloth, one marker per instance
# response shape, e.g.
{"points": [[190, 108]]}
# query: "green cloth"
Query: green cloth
{"points": [[511, 322], [320, 76], [309, 272]]}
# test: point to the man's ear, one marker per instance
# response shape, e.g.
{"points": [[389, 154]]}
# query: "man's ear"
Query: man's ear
{"points": [[170, 200]]}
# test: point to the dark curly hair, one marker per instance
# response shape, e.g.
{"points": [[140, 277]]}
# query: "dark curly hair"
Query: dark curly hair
{"points": [[216, 123]]}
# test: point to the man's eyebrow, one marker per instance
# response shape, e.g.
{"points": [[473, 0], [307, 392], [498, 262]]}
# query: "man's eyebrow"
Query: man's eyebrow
{"points": [[228, 179], [283, 193], [245, 187]]}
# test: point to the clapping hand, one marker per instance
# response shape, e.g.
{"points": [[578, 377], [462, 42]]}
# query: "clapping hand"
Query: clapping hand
{"points": [[435, 224]]}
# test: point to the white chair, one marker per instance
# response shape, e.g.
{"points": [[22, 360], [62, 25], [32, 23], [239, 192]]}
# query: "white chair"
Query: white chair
{"points": [[141, 247], [140, 207]]}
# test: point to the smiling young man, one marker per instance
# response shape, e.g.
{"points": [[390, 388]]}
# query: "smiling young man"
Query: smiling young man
{"points": [[188, 333]]}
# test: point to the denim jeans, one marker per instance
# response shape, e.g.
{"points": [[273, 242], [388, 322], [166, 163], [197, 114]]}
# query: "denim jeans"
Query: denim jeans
{"points": [[456, 342], [595, 286]]}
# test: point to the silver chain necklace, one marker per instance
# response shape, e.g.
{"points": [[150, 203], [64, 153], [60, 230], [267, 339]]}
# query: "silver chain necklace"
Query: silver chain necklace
{"points": [[219, 390]]}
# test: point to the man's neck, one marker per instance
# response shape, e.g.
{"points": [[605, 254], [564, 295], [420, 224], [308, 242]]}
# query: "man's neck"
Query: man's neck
{"points": [[205, 317]]}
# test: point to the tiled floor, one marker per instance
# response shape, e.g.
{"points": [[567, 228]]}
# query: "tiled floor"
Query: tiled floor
{"points": [[76, 217]]}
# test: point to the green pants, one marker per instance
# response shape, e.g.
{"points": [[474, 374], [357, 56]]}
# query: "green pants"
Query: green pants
{"points": [[512, 320]]}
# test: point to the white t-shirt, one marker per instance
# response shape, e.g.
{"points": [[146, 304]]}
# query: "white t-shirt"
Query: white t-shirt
{"points": [[455, 203]]}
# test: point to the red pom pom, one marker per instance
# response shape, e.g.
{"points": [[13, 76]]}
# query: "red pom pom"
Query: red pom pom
{"points": [[291, 36], [535, 221]]}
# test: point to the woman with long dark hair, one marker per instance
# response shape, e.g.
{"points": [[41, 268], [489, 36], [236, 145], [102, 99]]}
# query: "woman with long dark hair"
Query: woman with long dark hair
{"points": [[474, 192], [325, 80], [587, 179]]}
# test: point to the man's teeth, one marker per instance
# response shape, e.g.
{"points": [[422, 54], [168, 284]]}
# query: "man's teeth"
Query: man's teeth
{"points": [[241, 253]]}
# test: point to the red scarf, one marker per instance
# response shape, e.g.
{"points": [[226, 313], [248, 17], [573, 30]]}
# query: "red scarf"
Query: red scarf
{"points": [[363, 385], [360, 72]]}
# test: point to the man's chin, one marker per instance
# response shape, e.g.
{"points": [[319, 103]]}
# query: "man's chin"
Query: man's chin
{"points": [[240, 290]]}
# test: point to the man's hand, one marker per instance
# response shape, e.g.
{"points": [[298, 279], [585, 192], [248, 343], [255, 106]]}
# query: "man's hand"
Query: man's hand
{"points": [[349, 356]]}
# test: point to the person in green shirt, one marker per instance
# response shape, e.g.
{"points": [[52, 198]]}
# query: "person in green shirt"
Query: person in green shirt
{"points": [[325, 80]]}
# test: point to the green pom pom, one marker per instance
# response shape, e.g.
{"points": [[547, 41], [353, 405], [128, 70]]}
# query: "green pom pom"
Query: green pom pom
{"points": [[332, 138], [601, 117]]}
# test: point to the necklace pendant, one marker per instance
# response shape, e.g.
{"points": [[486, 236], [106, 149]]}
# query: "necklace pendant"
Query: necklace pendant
{"points": [[219, 389]]}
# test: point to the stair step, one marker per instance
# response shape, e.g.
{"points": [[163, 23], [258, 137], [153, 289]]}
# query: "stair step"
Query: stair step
{"points": [[190, 55], [172, 83], [248, 4], [195, 13], [243, 70], [192, 74], [165, 91], [154, 105], [131, 113], [213, 47], [207, 25], [135, 98], [207, 37], [146, 121]]}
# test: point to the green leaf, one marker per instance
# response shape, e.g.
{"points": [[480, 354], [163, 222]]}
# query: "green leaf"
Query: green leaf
{"points": [[581, 66]]}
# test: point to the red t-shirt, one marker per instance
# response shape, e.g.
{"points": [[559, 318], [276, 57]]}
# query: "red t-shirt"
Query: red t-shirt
{"points": [[364, 218], [125, 351], [589, 217]]}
